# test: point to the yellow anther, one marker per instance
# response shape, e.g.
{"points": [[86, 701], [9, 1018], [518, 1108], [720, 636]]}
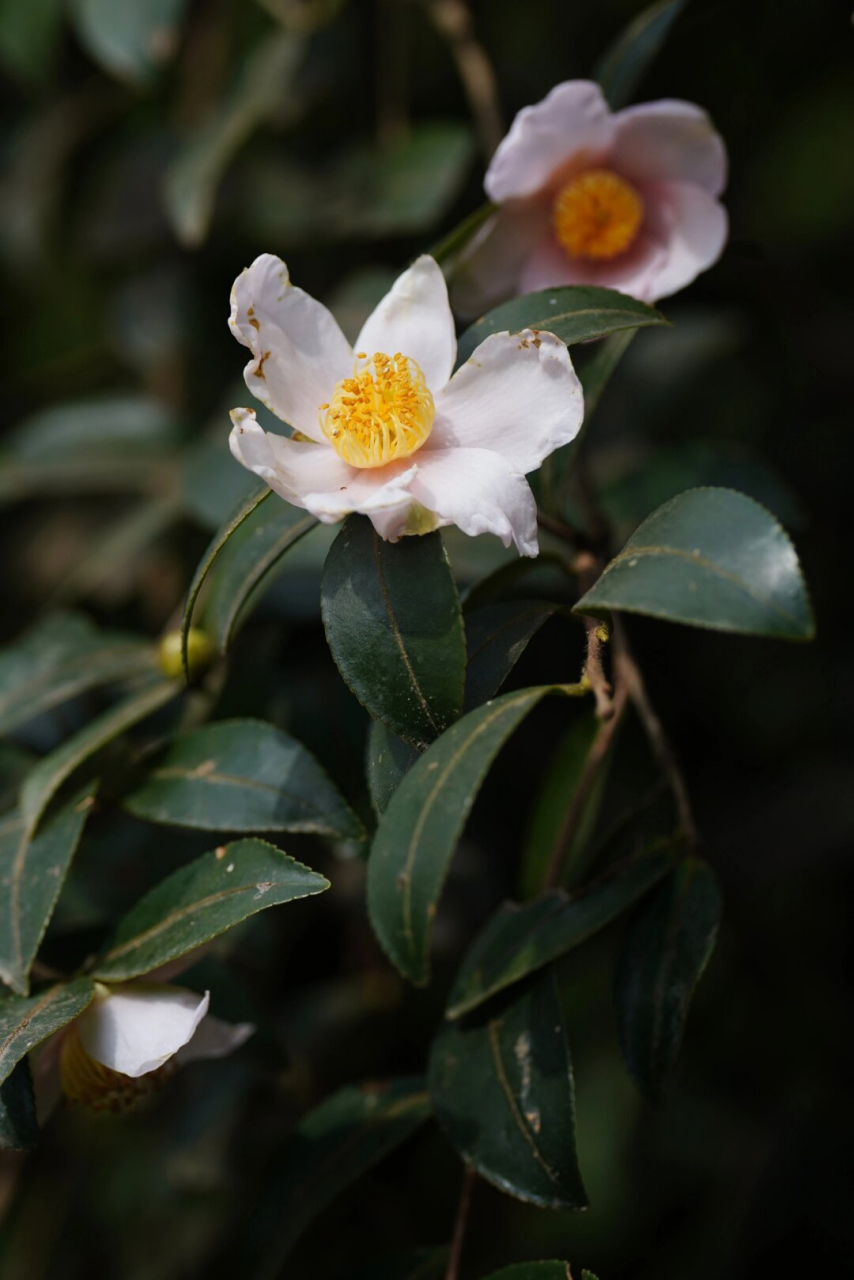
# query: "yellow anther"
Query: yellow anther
{"points": [[597, 215], [385, 411]]}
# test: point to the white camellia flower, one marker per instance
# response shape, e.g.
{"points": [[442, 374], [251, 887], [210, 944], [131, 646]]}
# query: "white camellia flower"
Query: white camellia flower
{"points": [[385, 430], [625, 199]]}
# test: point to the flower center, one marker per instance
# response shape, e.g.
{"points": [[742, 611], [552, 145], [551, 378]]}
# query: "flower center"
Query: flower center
{"points": [[597, 215], [385, 411], [88, 1083]]}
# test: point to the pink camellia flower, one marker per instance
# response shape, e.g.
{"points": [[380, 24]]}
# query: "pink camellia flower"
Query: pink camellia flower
{"points": [[625, 199]]}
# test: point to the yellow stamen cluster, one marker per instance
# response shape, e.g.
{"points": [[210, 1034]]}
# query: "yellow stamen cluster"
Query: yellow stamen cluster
{"points": [[88, 1083], [597, 215], [385, 411]]}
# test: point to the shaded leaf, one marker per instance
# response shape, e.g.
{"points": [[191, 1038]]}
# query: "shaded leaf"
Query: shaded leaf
{"points": [[503, 1091], [548, 565], [661, 961], [129, 40], [519, 940], [29, 35], [625, 63], [19, 1126], [497, 635], [202, 900], [710, 558], [574, 313], [27, 1020], [535, 1271], [32, 872], [393, 623], [415, 1264], [388, 761], [242, 775]]}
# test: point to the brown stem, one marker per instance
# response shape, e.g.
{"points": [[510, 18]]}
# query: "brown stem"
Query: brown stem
{"points": [[453, 20], [453, 1268]]}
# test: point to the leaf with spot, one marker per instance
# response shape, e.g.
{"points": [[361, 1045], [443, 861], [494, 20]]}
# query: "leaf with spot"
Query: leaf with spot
{"points": [[393, 623], [497, 634], [625, 63], [388, 760], [202, 900], [32, 872], [663, 955], [709, 558], [502, 1089], [242, 775], [19, 1126], [25, 1021]]}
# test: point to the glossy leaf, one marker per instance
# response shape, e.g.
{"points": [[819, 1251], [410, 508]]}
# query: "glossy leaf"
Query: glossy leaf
{"points": [[32, 872], [519, 940], [242, 775], [19, 1126], [333, 1147], [497, 635], [129, 40], [59, 658], [534, 1271], [202, 900], [574, 313], [626, 62], [710, 558], [388, 761], [503, 1091], [393, 623], [27, 1020], [661, 961]]}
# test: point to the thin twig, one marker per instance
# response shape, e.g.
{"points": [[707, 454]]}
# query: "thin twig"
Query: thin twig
{"points": [[453, 1268], [453, 20]]}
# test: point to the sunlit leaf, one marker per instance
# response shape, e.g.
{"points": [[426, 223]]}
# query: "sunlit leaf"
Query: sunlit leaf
{"points": [[27, 1020], [624, 65]]}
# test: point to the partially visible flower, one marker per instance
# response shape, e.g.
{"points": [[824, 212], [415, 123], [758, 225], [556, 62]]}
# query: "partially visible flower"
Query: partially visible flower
{"points": [[588, 196], [386, 431]]}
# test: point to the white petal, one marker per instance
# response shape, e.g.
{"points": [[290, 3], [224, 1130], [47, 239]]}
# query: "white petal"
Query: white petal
{"points": [[634, 272], [518, 396], [670, 141], [415, 318], [479, 492], [693, 227], [215, 1039], [572, 127], [489, 270], [299, 351], [138, 1026]]}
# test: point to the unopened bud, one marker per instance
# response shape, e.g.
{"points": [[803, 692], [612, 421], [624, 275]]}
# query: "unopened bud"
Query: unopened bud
{"points": [[200, 653]]}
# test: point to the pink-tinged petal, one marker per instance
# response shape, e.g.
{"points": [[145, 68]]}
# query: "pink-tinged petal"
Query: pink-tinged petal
{"points": [[670, 141], [517, 396], [214, 1039], [634, 272], [572, 126], [299, 352], [693, 227], [479, 492], [136, 1027], [489, 270], [415, 318]]}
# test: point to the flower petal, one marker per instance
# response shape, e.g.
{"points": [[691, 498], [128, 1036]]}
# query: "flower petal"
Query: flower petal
{"points": [[634, 272], [670, 141], [299, 351], [138, 1026], [573, 123], [488, 272], [517, 396], [415, 318], [478, 491], [693, 227], [214, 1039]]}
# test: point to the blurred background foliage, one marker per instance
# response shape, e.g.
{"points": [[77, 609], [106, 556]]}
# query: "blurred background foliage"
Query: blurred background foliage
{"points": [[150, 149]]}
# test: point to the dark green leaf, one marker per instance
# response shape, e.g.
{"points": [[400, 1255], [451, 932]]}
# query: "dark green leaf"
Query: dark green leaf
{"points": [[661, 961], [19, 1126], [503, 1091], [32, 872], [626, 62], [518, 941], [26, 1021], [243, 775], [497, 635], [393, 623], [534, 1271], [548, 565], [333, 1147], [59, 658], [202, 900], [711, 558], [415, 1264], [389, 759], [29, 35], [129, 40], [574, 313]]}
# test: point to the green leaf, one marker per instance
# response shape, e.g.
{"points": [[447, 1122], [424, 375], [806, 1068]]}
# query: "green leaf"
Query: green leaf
{"points": [[59, 658], [415, 1264], [419, 830], [497, 635], [388, 761], [450, 246], [535, 1271], [626, 62], [202, 900], [710, 558], [193, 178], [518, 941], [393, 623], [503, 1091], [29, 35], [573, 313], [242, 775], [19, 1126], [43, 782], [331, 1148], [122, 426], [129, 40], [26, 1021], [661, 961], [32, 872]]}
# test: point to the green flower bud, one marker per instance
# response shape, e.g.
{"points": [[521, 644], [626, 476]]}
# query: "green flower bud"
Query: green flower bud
{"points": [[200, 653]]}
